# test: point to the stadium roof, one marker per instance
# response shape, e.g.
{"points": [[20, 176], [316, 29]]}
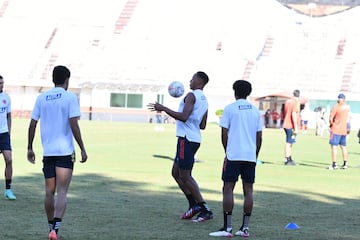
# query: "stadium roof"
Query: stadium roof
{"points": [[320, 8], [351, 3]]}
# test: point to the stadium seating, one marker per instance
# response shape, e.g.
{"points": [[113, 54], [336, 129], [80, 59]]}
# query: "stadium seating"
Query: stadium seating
{"points": [[152, 42]]}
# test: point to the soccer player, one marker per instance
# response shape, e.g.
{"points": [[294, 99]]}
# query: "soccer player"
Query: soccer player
{"points": [[5, 144], [241, 137], [190, 118], [291, 125], [59, 112], [339, 119]]}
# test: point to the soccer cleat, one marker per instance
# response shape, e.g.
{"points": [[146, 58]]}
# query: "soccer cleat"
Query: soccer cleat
{"points": [[191, 212], [222, 232], [9, 194], [243, 232], [344, 167], [53, 235], [331, 167], [290, 163], [203, 216]]}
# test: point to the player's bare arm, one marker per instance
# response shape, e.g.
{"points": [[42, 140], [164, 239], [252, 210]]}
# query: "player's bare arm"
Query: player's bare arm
{"points": [[204, 121], [77, 135], [294, 118], [8, 118], [31, 134], [258, 142], [181, 116], [224, 137]]}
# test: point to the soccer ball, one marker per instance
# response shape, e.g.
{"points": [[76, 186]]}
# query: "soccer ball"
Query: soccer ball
{"points": [[176, 89]]}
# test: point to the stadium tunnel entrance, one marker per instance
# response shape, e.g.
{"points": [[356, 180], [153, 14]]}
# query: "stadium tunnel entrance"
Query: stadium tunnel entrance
{"points": [[272, 107]]}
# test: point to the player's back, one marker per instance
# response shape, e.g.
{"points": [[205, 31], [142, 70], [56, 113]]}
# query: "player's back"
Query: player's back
{"points": [[54, 108]]}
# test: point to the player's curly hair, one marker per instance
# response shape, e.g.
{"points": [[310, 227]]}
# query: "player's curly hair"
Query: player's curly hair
{"points": [[203, 76], [60, 74], [242, 88]]}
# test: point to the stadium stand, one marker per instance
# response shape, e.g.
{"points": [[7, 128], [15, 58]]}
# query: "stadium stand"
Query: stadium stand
{"points": [[139, 46], [3, 7], [125, 16]]}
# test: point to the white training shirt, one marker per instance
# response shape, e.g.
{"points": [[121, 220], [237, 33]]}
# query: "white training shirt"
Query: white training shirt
{"points": [[54, 108], [191, 128], [243, 120], [5, 108]]}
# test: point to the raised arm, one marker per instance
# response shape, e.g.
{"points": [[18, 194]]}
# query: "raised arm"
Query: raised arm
{"points": [[181, 116]]}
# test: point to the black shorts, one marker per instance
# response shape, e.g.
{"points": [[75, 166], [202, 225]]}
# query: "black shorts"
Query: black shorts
{"points": [[232, 170], [185, 153], [51, 162], [5, 141]]}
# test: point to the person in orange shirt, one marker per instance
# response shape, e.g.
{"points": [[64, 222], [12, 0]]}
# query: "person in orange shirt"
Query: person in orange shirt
{"points": [[339, 119], [291, 125]]}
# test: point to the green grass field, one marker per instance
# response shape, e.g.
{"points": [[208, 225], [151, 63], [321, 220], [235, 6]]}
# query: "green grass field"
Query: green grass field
{"points": [[125, 190]]}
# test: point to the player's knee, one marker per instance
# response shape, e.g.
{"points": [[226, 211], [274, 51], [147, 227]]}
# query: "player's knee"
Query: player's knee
{"points": [[8, 161]]}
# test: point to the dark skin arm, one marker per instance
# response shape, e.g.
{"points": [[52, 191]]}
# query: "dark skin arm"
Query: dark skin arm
{"points": [[181, 116], [258, 142], [203, 121], [8, 118], [224, 137]]}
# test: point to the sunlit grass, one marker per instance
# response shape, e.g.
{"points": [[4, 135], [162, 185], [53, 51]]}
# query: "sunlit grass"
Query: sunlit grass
{"points": [[125, 190]]}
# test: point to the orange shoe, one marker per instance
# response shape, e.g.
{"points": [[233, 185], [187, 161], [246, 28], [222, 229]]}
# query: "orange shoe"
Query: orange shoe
{"points": [[53, 235]]}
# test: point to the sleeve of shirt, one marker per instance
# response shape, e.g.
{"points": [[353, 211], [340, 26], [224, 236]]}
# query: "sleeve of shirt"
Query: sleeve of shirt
{"points": [[74, 108], [36, 111], [224, 120], [9, 106]]}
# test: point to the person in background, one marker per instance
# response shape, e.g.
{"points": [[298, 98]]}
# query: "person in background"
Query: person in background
{"points": [[282, 115], [275, 116], [291, 125], [321, 123], [241, 137], [338, 121], [267, 118], [5, 142], [305, 116]]}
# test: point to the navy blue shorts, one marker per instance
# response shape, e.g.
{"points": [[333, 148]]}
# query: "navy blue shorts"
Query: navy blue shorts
{"points": [[289, 136], [51, 162], [233, 169], [185, 153], [5, 141]]}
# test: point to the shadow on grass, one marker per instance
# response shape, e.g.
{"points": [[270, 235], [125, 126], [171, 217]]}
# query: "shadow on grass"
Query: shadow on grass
{"points": [[354, 153], [171, 158], [100, 207], [163, 157]]}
